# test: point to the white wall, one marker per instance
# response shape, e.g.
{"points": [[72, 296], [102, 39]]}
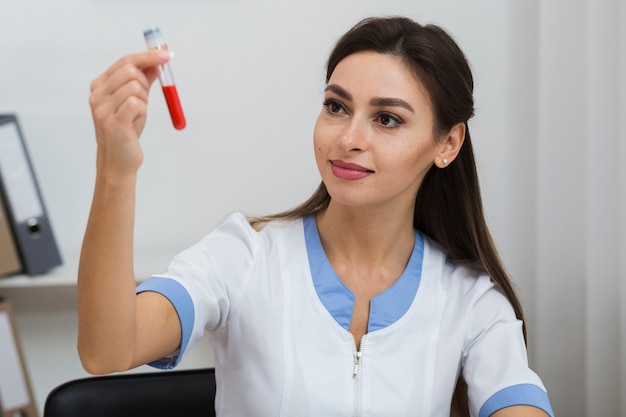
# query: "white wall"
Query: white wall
{"points": [[250, 76], [580, 194]]}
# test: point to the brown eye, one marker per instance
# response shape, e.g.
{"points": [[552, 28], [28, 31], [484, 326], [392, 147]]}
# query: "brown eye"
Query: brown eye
{"points": [[334, 107], [388, 120]]}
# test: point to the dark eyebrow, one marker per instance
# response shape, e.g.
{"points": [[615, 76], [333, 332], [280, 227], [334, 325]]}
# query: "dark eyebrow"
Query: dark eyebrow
{"points": [[339, 91], [378, 102], [384, 102]]}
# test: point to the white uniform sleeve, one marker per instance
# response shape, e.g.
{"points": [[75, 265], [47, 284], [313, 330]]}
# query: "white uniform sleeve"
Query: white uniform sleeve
{"points": [[495, 364], [206, 280]]}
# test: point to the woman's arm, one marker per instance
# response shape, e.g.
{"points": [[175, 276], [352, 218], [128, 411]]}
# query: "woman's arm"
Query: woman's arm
{"points": [[519, 411], [117, 329]]}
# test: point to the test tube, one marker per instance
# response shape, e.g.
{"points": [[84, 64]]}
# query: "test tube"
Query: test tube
{"points": [[154, 40]]}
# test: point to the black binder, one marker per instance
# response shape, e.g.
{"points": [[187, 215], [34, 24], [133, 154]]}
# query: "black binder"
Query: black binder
{"points": [[24, 205]]}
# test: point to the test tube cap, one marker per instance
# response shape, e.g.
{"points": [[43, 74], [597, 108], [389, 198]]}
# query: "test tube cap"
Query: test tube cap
{"points": [[153, 37]]}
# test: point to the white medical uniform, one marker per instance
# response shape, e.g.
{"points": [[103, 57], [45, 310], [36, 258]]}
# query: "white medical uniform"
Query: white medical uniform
{"points": [[277, 316]]}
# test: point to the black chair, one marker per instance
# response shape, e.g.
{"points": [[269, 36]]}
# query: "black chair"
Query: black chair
{"points": [[156, 394]]}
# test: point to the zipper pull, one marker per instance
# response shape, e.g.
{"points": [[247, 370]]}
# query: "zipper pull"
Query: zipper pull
{"points": [[357, 362]]}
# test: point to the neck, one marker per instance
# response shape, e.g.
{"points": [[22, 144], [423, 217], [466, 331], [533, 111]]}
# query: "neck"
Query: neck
{"points": [[358, 238]]}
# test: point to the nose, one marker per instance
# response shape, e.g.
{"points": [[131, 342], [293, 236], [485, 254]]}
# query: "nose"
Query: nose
{"points": [[353, 136]]}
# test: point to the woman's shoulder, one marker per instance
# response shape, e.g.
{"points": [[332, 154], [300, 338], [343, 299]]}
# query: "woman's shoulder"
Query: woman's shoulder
{"points": [[241, 220], [464, 277], [242, 226], [469, 293]]}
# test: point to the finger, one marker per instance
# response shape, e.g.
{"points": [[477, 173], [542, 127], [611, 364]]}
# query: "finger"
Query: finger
{"points": [[129, 101], [142, 60], [124, 126], [131, 111], [145, 62], [124, 75], [116, 107], [127, 80]]}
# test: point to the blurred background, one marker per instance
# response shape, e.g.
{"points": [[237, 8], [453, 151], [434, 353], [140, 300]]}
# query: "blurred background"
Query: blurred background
{"points": [[549, 135]]}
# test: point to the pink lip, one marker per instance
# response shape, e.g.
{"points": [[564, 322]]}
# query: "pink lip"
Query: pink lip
{"points": [[348, 171]]}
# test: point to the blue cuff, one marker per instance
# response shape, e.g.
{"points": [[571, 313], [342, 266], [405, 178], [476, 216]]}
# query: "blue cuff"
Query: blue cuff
{"points": [[180, 299], [521, 394]]}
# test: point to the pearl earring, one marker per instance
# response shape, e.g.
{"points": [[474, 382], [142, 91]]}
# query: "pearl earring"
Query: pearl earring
{"points": [[445, 161]]}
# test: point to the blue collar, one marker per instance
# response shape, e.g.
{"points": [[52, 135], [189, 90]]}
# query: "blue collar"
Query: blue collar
{"points": [[385, 308]]}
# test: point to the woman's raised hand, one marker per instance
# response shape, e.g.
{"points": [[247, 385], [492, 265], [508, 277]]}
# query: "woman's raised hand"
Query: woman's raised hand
{"points": [[118, 100], [111, 330]]}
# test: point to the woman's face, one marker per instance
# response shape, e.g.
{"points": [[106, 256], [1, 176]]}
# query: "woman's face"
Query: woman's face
{"points": [[374, 138]]}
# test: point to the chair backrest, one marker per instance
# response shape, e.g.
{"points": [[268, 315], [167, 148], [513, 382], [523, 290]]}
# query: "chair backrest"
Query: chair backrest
{"points": [[156, 394]]}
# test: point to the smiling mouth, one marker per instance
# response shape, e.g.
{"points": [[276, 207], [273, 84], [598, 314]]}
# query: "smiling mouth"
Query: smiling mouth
{"points": [[348, 171]]}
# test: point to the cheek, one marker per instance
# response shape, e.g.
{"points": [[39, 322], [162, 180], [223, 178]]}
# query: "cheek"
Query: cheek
{"points": [[422, 160], [412, 163], [319, 136]]}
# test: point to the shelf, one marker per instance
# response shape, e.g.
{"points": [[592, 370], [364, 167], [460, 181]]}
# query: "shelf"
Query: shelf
{"points": [[60, 276], [147, 262]]}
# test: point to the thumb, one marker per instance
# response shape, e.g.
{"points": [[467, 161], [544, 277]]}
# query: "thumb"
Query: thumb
{"points": [[150, 62]]}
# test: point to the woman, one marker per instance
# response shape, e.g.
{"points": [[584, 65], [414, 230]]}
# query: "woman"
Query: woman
{"points": [[382, 295]]}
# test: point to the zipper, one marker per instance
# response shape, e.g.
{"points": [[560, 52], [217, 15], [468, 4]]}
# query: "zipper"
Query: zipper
{"points": [[357, 376], [357, 363]]}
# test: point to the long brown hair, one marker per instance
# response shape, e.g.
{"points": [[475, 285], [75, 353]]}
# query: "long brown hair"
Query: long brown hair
{"points": [[448, 205]]}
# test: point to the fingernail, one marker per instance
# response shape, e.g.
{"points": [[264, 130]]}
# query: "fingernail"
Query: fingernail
{"points": [[165, 55]]}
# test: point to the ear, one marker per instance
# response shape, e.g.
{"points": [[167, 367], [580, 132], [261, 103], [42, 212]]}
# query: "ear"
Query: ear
{"points": [[451, 145]]}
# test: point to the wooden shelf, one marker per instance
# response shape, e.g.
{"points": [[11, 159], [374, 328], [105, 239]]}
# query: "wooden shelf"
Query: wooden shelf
{"points": [[147, 262]]}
